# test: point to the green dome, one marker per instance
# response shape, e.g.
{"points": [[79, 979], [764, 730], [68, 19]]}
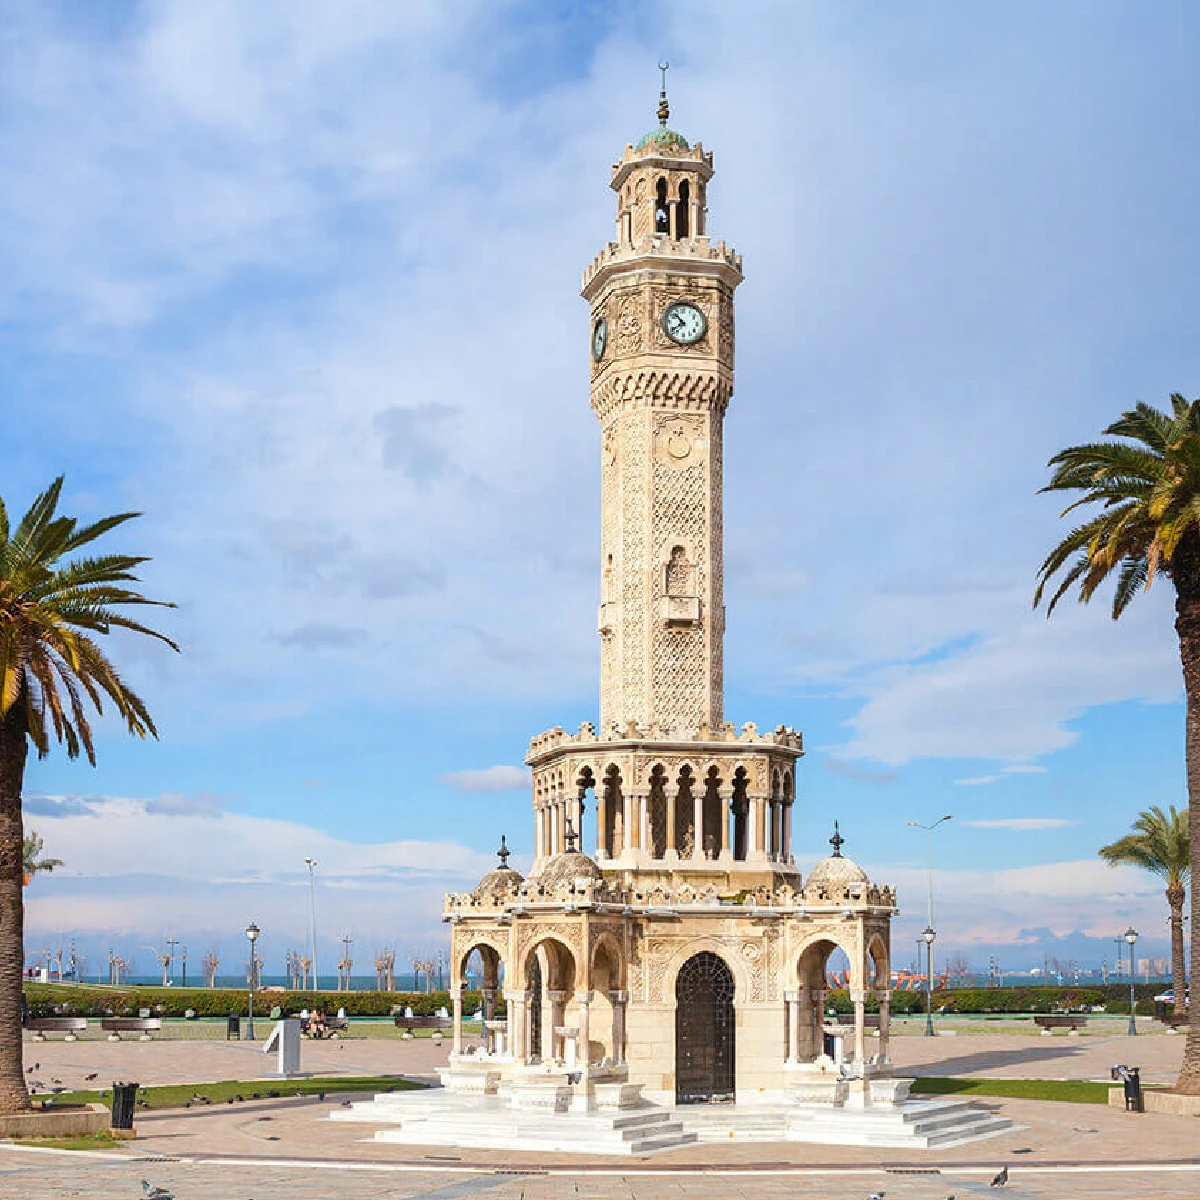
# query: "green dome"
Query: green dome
{"points": [[664, 137]]}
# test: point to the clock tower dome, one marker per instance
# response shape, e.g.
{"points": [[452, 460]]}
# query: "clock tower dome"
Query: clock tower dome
{"points": [[661, 297]]}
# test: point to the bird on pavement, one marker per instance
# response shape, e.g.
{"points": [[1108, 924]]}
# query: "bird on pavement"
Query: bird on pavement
{"points": [[1001, 1178], [89, 1078], [154, 1192], [876, 1196]]}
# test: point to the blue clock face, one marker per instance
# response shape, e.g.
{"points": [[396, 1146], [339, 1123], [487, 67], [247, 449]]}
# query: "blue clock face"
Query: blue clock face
{"points": [[684, 323], [599, 338]]}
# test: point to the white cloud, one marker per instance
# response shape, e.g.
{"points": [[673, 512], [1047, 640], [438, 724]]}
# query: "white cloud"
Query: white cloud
{"points": [[1021, 823], [977, 781], [1025, 769], [489, 779], [132, 864]]}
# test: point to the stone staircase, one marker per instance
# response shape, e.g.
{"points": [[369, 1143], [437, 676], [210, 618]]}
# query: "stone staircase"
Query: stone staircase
{"points": [[919, 1124], [436, 1119]]}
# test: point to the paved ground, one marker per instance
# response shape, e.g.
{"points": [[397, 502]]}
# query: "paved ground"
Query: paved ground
{"points": [[1002, 1055], [276, 1148]]}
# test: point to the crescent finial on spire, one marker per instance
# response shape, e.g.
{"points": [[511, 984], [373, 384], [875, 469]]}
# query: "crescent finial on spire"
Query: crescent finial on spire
{"points": [[664, 109]]}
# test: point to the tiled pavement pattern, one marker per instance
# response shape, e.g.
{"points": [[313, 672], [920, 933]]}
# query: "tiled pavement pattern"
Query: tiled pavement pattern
{"points": [[31, 1176]]}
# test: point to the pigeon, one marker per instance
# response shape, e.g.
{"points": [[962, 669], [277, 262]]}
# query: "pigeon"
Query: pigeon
{"points": [[876, 1196], [89, 1078], [28, 1070], [199, 1099], [55, 1079], [155, 1192], [1001, 1178]]}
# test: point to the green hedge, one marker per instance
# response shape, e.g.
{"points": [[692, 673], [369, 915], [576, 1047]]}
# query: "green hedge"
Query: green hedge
{"points": [[1113, 997], [51, 999]]}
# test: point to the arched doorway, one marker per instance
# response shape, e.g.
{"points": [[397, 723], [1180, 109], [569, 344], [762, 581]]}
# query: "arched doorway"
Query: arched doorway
{"points": [[704, 1031]]}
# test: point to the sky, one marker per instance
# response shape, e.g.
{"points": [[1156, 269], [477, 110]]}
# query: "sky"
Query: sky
{"points": [[299, 282]]}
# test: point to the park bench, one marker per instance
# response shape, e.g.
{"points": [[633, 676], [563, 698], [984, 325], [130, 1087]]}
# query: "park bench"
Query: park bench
{"points": [[71, 1026], [1049, 1022], [403, 1022], [872, 1020], [143, 1026]]}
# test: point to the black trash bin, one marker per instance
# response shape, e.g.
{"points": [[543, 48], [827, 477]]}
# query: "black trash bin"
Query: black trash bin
{"points": [[233, 1030], [124, 1100]]}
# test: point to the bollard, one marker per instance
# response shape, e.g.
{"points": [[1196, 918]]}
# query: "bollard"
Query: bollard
{"points": [[124, 1099], [233, 1029]]}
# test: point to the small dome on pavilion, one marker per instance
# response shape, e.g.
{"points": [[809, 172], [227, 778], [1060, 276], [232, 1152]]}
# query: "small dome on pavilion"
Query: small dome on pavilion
{"points": [[567, 868], [501, 880], [836, 870], [663, 136]]}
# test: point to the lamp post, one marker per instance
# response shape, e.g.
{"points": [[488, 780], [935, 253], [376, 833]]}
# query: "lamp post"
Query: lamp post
{"points": [[929, 855], [252, 937], [311, 863], [927, 935], [183, 950], [1131, 936]]}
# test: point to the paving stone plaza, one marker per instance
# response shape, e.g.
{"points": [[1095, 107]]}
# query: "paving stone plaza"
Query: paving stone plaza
{"points": [[288, 1147]]}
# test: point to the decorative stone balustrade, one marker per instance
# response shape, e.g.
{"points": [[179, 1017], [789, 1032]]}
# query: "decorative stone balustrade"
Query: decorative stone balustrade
{"points": [[633, 733]]}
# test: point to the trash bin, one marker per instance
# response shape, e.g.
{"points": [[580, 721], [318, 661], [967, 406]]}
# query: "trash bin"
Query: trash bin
{"points": [[124, 1099], [233, 1030]]}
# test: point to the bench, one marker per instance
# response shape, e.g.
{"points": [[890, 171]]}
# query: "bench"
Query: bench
{"points": [[871, 1019], [144, 1026], [1048, 1022], [41, 1026], [403, 1022]]}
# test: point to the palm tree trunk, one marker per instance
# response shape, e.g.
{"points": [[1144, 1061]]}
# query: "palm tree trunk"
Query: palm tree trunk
{"points": [[1187, 626], [14, 1097], [1176, 894]]}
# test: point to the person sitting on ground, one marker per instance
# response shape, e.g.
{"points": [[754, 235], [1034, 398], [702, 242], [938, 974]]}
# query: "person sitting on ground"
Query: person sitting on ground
{"points": [[318, 1027]]}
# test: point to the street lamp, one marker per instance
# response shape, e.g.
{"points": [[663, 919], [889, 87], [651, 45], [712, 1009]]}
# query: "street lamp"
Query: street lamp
{"points": [[927, 935], [1131, 936], [252, 937], [311, 863]]}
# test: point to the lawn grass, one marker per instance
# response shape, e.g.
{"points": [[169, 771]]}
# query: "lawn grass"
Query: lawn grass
{"points": [[179, 1095], [76, 1141], [1074, 1091]]}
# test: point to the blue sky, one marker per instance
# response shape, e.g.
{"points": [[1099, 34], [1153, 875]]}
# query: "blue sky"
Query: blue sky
{"points": [[300, 282]]}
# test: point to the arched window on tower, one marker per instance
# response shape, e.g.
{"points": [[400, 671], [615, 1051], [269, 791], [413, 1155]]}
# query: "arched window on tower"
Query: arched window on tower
{"points": [[662, 221], [681, 219]]}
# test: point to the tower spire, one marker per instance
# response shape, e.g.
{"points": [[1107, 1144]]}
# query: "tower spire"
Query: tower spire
{"points": [[664, 109]]}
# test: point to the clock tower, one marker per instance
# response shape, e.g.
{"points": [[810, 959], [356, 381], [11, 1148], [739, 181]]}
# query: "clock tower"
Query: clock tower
{"points": [[661, 299]]}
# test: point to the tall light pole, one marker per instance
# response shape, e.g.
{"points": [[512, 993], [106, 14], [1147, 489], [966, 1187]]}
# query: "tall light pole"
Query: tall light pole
{"points": [[929, 933], [929, 855], [1131, 935], [172, 942], [252, 937], [311, 863]]}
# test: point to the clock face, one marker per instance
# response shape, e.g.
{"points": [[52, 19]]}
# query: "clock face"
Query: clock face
{"points": [[599, 338], [684, 323]]}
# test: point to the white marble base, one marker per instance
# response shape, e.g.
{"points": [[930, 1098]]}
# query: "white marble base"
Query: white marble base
{"points": [[548, 1096], [610, 1097], [463, 1080]]}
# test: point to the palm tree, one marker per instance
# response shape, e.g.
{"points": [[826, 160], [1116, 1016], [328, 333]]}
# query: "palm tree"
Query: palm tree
{"points": [[51, 672], [1159, 844], [31, 860], [1147, 487]]}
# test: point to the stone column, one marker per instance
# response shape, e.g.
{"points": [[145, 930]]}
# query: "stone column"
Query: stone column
{"points": [[698, 818], [794, 1008], [518, 1030], [603, 849], [618, 1000], [804, 1023], [787, 833], [673, 215], [757, 817], [860, 1027], [557, 1008], [644, 840], [584, 1000], [694, 229], [726, 797], [885, 1022], [489, 1014], [456, 1018], [627, 818], [671, 790]]}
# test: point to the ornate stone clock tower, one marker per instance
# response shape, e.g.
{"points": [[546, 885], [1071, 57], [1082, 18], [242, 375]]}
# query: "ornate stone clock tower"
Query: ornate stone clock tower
{"points": [[662, 374], [669, 941]]}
